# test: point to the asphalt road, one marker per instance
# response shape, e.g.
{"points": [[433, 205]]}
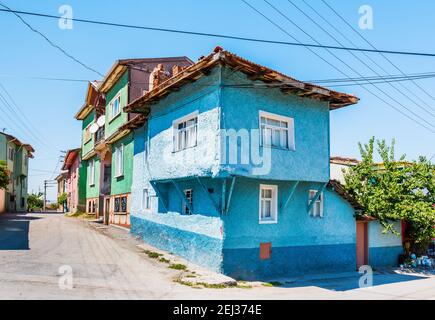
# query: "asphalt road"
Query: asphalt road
{"points": [[49, 256]]}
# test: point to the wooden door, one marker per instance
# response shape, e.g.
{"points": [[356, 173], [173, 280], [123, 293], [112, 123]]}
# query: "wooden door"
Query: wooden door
{"points": [[361, 244]]}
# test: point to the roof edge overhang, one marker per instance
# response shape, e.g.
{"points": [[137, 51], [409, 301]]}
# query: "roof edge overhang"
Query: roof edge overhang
{"points": [[70, 157], [253, 71]]}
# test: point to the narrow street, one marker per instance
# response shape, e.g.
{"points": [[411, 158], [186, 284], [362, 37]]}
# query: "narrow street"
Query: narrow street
{"points": [[35, 248]]}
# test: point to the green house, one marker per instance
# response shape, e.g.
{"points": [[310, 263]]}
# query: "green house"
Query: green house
{"points": [[15, 156], [107, 133]]}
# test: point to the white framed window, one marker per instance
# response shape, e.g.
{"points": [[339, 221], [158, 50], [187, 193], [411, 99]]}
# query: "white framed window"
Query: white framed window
{"points": [[317, 209], [92, 172], [119, 161], [11, 153], [268, 204], [185, 132], [276, 131], [146, 199], [87, 136], [115, 107], [189, 196]]}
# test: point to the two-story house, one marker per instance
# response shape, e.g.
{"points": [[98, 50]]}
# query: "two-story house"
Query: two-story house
{"points": [[15, 156], [75, 186], [107, 144], [232, 171]]}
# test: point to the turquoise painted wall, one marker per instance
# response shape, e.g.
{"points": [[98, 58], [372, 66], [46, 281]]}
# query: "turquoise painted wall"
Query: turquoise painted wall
{"points": [[88, 145], [93, 191], [310, 160], [122, 184], [201, 96], [121, 87], [295, 226]]}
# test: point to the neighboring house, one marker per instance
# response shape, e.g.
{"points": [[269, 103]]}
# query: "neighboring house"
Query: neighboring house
{"points": [[232, 171], [373, 247], [74, 186], [15, 155], [107, 144], [339, 165], [61, 188]]}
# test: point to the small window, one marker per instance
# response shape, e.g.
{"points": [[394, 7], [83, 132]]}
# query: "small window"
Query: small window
{"points": [[11, 154], [92, 172], [189, 197], [185, 132], [146, 201], [121, 204], [117, 205], [276, 131], [115, 107], [268, 204], [119, 161], [317, 210], [87, 136]]}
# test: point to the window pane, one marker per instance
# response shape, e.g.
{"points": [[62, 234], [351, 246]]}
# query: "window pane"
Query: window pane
{"points": [[267, 194], [276, 138], [267, 209]]}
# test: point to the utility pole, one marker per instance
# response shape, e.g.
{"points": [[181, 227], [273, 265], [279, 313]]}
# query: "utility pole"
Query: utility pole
{"points": [[47, 184], [45, 196]]}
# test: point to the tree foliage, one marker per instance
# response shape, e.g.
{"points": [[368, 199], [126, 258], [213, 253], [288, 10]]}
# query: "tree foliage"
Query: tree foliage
{"points": [[34, 201], [395, 190], [4, 175], [62, 198]]}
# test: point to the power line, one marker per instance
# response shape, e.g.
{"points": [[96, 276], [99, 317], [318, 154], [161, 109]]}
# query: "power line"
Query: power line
{"points": [[359, 59], [371, 45], [22, 126], [215, 35], [43, 78], [336, 68], [365, 54], [16, 13], [29, 123], [348, 66]]}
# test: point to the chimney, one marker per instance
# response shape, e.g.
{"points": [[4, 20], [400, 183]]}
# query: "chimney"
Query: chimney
{"points": [[157, 76], [177, 69]]}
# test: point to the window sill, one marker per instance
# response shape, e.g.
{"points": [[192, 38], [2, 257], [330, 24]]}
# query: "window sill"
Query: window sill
{"points": [[181, 150], [278, 148], [119, 176], [268, 222], [114, 117], [120, 213]]}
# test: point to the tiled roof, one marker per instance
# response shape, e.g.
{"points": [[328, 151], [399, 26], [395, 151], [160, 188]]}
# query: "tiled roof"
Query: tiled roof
{"points": [[254, 71]]}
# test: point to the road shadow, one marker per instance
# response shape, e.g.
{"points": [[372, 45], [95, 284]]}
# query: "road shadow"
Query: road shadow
{"points": [[352, 283], [14, 231]]}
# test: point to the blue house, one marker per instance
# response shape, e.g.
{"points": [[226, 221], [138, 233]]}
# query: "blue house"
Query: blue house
{"points": [[232, 171]]}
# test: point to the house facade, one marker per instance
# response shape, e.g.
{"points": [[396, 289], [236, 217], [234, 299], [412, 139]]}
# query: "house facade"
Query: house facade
{"points": [[232, 171], [75, 186], [15, 156], [108, 148]]}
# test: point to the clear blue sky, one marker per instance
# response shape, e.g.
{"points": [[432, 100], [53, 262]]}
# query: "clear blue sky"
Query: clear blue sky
{"points": [[51, 105]]}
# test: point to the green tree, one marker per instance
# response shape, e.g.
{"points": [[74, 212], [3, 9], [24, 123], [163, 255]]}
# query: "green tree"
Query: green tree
{"points": [[395, 190], [4, 175], [34, 201], [62, 198]]}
